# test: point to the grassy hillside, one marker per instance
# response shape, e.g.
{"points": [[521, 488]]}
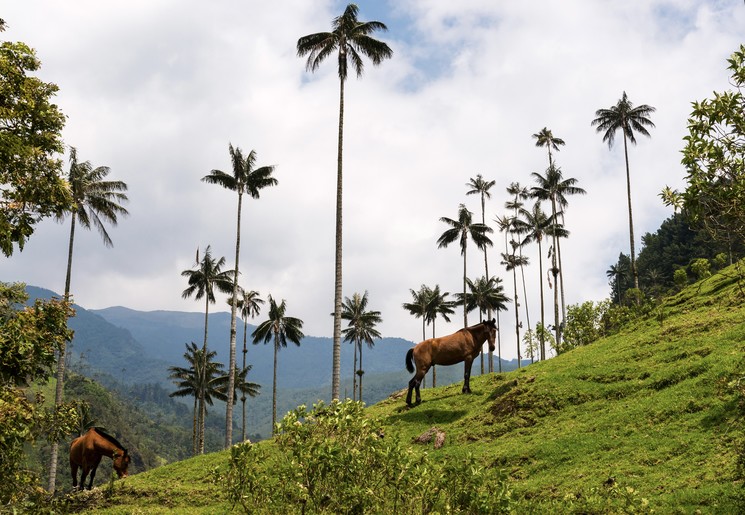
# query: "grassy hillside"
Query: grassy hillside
{"points": [[647, 419]]}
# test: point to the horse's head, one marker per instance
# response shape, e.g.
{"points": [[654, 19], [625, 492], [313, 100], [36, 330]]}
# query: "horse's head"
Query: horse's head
{"points": [[121, 462], [491, 335]]}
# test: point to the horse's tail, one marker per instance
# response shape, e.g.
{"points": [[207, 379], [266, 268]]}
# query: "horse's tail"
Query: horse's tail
{"points": [[409, 360]]}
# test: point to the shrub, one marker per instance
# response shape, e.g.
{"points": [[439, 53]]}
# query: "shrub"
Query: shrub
{"points": [[335, 460]]}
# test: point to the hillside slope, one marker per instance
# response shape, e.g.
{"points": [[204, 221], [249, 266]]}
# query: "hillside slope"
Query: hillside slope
{"points": [[650, 417]]}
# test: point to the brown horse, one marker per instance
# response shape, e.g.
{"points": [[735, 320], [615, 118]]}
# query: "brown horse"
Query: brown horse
{"points": [[463, 345], [86, 452]]}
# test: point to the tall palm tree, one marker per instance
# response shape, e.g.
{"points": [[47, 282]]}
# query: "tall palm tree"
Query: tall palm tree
{"points": [[187, 383], [553, 187], [460, 230], [616, 273], [520, 193], [486, 295], [504, 224], [437, 306], [207, 277], [281, 328], [95, 201], [246, 388], [512, 262], [349, 39], [545, 138], [360, 328], [535, 225], [628, 119], [249, 305], [248, 179]]}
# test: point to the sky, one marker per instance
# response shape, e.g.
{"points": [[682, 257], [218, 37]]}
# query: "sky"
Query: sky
{"points": [[157, 90]]}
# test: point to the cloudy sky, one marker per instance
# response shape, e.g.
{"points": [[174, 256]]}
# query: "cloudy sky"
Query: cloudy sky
{"points": [[156, 90]]}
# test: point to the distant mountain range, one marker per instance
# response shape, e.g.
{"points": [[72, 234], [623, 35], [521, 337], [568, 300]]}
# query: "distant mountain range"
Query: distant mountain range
{"points": [[138, 347]]}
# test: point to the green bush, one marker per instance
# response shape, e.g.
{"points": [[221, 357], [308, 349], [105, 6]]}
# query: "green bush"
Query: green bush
{"points": [[335, 460]]}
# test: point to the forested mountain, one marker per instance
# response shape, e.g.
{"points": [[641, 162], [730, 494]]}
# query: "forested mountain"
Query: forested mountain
{"points": [[128, 349]]}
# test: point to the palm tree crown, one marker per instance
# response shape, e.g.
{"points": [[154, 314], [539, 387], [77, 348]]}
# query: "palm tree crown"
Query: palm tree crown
{"points": [[545, 138], [460, 230]]}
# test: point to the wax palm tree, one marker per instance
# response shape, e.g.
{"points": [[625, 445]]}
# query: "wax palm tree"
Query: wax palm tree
{"points": [[419, 305], [486, 295], [535, 224], [437, 306], [553, 187], [545, 138], [205, 380], [248, 179], [249, 306], [203, 281], [616, 273], [246, 388], [281, 328], [461, 229], [481, 187], [96, 201], [628, 119], [520, 194], [512, 262], [360, 328], [504, 224], [349, 39]]}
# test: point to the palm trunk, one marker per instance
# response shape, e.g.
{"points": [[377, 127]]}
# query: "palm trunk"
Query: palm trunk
{"points": [[194, 427], [336, 359], [202, 407], [631, 218], [424, 337], [362, 372], [555, 272], [434, 368], [243, 398], [233, 309], [60, 387], [543, 319], [499, 345], [561, 278], [354, 374], [465, 300], [274, 385], [486, 272], [517, 315], [525, 291]]}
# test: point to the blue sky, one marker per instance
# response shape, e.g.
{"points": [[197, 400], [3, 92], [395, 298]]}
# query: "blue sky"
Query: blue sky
{"points": [[157, 91]]}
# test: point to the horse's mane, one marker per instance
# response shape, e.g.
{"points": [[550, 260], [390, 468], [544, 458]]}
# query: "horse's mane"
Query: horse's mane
{"points": [[110, 438]]}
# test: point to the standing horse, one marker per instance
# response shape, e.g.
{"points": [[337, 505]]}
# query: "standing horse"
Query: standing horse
{"points": [[86, 452], [463, 345]]}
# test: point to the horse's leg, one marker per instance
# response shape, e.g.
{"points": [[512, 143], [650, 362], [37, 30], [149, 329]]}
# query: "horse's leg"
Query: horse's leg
{"points": [[412, 383], [74, 473], [93, 474], [467, 376]]}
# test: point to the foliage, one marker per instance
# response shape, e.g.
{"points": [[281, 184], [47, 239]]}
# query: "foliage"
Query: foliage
{"points": [[29, 338], [681, 278], [30, 136], [584, 323], [334, 459], [714, 157], [701, 267]]}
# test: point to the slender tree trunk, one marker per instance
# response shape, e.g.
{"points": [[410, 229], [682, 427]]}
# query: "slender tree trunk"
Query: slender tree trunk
{"points": [[362, 370], [194, 426], [336, 360], [499, 345], [434, 368], [561, 278], [424, 337], [486, 272], [517, 316], [274, 384], [525, 292], [634, 271], [59, 391], [202, 406], [243, 397], [555, 272], [233, 317], [354, 374], [542, 339], [465, 299]]}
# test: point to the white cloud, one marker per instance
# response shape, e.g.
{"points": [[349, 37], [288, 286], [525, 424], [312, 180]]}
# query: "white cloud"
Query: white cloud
{"points": [[157, 90]]}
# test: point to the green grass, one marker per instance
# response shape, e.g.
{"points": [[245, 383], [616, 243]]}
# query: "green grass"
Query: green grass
{"points": [[649, 409]]}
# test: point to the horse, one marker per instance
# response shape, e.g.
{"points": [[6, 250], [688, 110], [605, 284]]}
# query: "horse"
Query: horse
{"points": [[86, 452], [463, 345]]}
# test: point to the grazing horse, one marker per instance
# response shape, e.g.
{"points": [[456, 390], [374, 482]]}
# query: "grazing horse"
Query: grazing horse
{"points": [[463, 345], [86, 452]]}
